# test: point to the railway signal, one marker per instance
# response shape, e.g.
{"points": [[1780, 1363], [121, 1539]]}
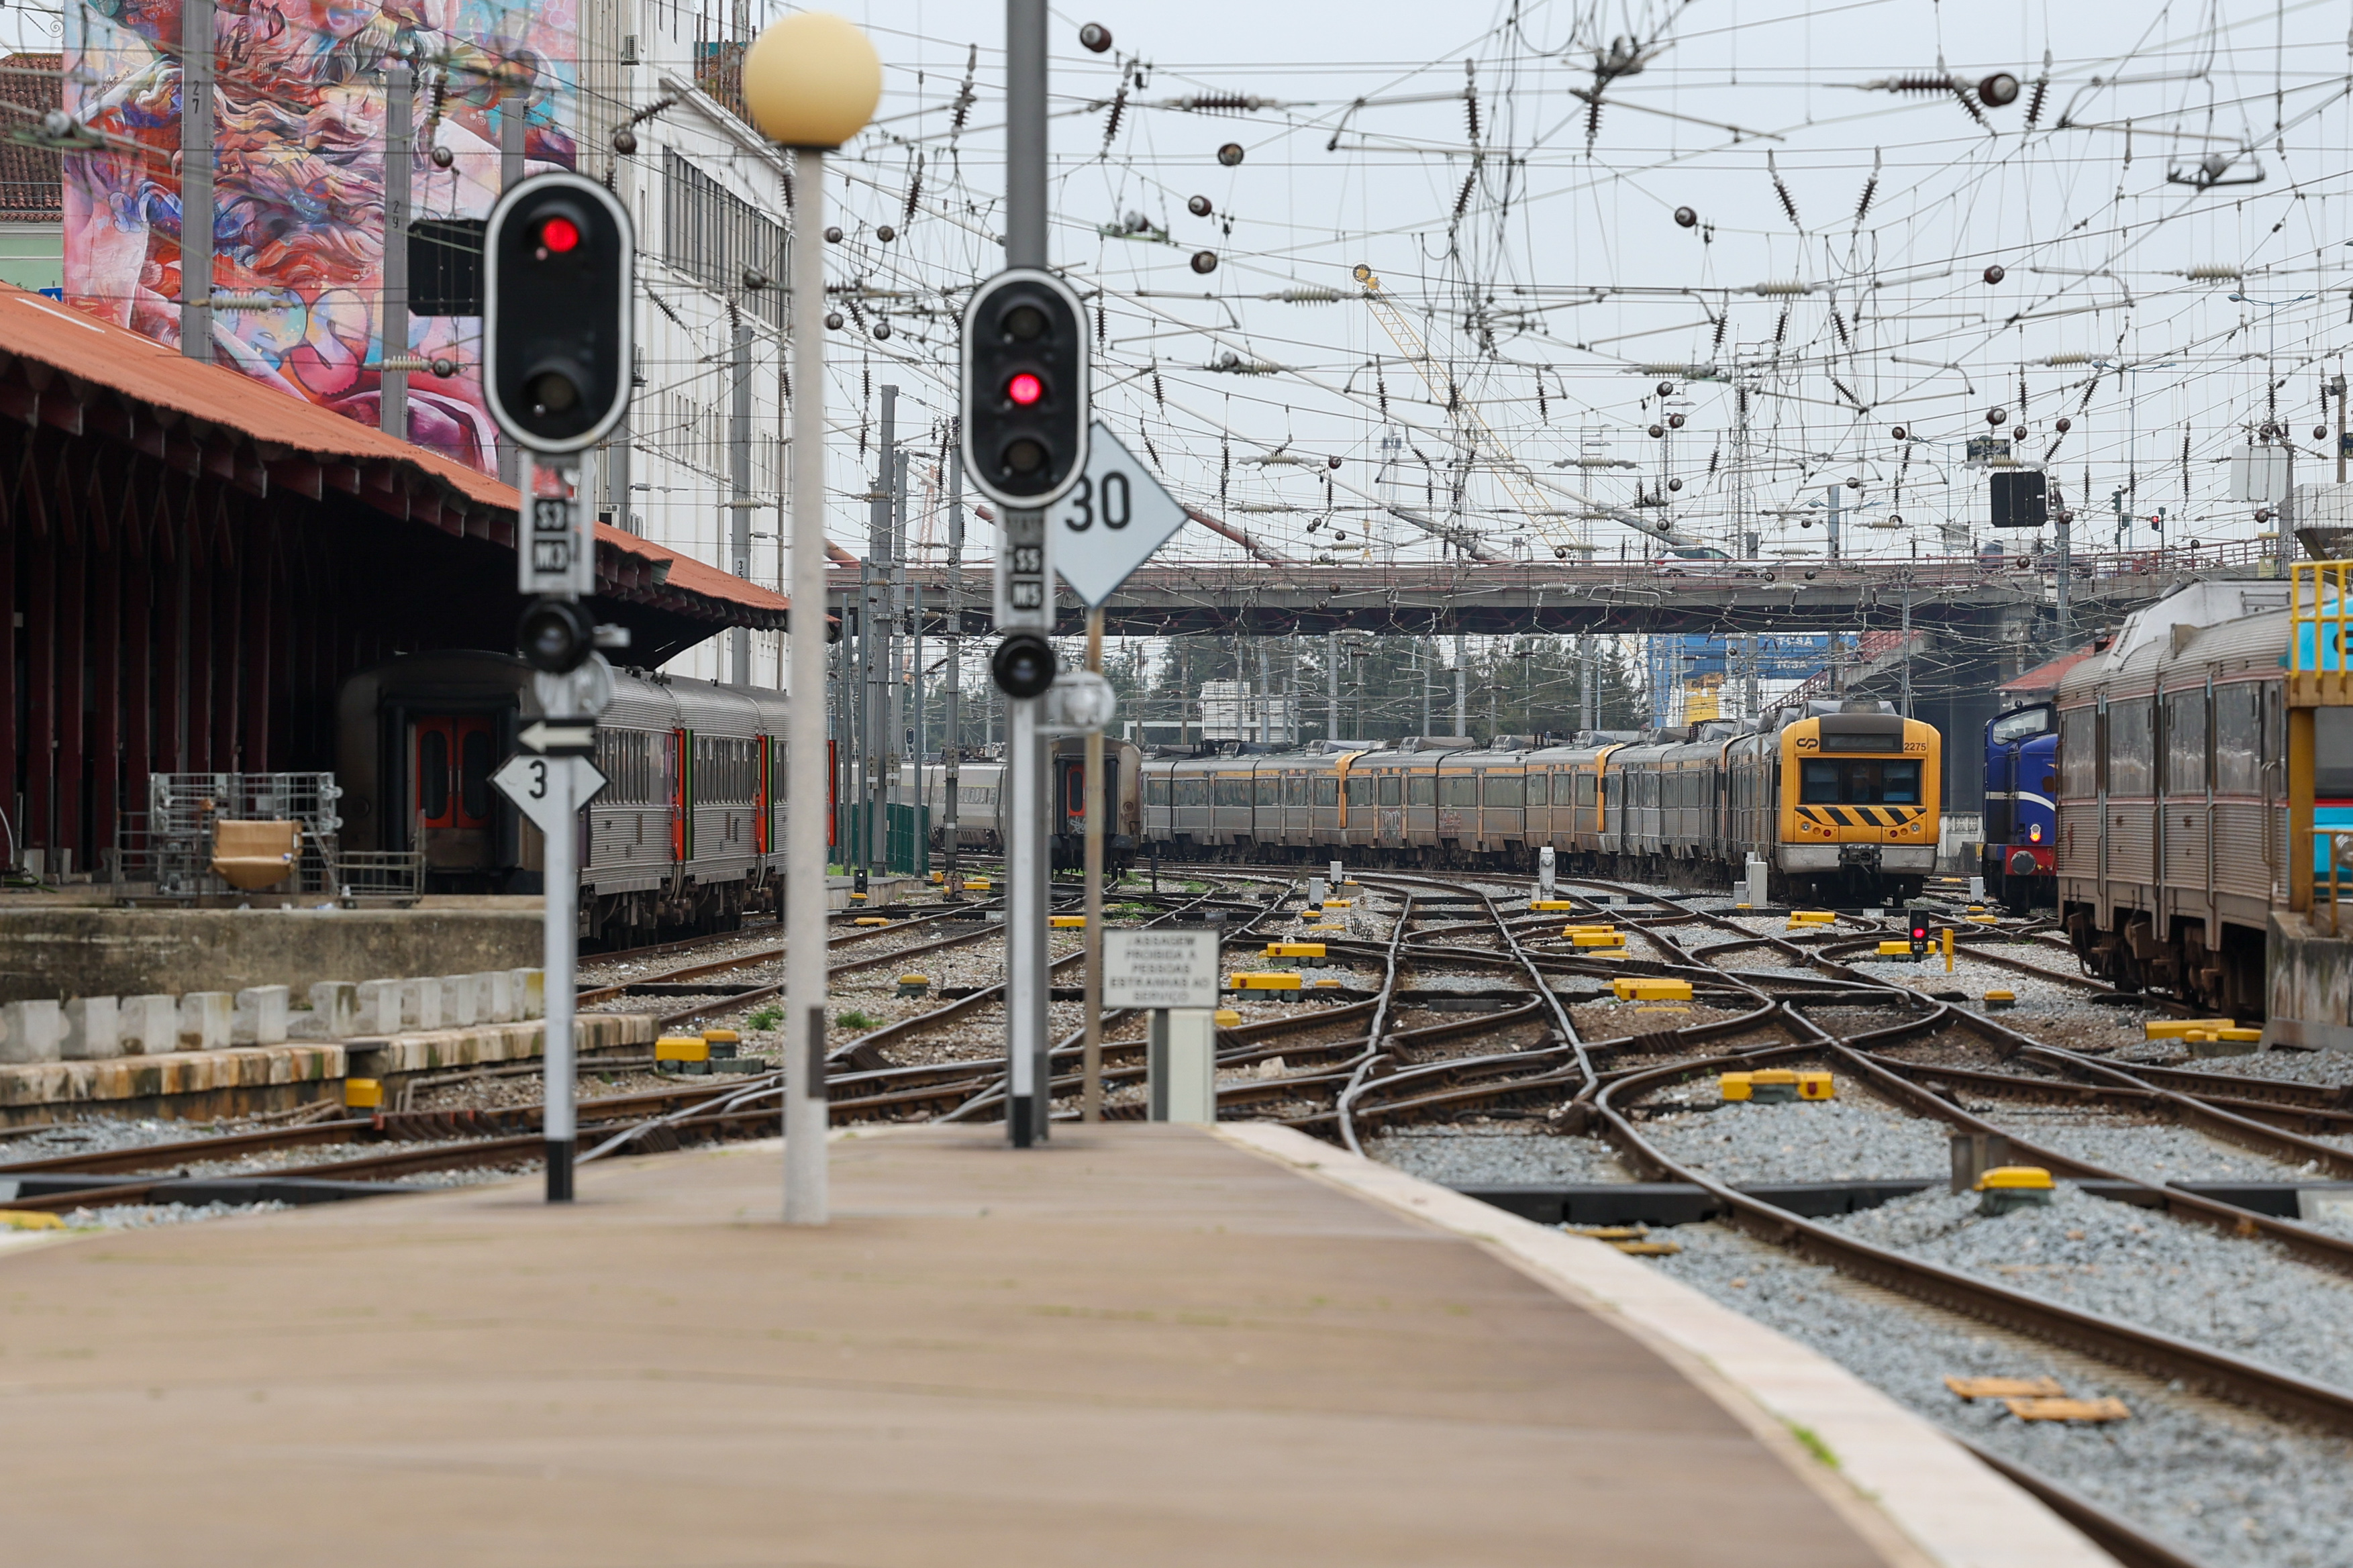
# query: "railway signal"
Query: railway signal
{"points": [[559, 267], [1023, 436], [559, 263], [1024, 426], [1920, 931]]}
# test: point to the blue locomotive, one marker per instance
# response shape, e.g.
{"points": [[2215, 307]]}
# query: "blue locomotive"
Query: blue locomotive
{"points": [[2020, 854]]}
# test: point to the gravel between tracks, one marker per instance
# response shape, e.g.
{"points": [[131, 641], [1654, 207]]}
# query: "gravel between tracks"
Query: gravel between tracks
{"points": [[2148, 1152], [2239, 1490], [2332, 1067], [2249, 1297], [1854, 1138], [1496, 1156]]}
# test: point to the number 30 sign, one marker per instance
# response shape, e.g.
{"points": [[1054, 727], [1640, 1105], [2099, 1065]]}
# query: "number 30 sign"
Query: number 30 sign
{"points": [[1110, 520]]}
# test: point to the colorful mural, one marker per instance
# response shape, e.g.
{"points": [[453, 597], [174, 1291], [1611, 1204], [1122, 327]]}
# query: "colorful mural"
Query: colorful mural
{"points": [[298, 170]]}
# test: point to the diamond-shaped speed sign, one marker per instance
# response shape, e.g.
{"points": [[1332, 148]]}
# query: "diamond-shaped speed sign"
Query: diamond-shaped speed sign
{"points": [[1110, 520]]}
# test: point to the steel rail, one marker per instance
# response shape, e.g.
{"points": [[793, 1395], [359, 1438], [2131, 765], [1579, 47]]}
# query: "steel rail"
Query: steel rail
{"points": [[2218, 1373], [2118, 1537], [742, 961]]}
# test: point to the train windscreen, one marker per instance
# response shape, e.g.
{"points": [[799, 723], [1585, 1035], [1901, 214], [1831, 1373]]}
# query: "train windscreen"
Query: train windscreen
{"points": [[2023, 725], [1859, 781]]}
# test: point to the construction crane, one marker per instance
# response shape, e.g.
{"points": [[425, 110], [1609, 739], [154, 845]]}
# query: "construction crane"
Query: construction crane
{"points": [[1479, 441]]}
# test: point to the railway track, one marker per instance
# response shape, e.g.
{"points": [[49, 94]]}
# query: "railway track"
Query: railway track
{"points": [[1377, 1060], [407, 1143], [1601, 1086]]}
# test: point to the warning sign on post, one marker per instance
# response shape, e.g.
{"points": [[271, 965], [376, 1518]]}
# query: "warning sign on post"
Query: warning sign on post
{"points": [[1160, 968]]}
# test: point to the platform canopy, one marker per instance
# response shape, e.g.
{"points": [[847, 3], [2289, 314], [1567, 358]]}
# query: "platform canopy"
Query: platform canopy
{"points": [[196, 560]]}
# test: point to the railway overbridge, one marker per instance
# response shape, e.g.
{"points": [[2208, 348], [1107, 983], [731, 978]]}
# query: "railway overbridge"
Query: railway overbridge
{"points": [[1973, 622]]}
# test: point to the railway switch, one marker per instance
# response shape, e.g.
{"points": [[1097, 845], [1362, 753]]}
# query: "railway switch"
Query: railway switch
{"points": [[682, 1053], [2179, 1028], [1646, 988], [1295, 950], [1773, 1086], [1263, 980], [914, 984], [2008, 1187]]}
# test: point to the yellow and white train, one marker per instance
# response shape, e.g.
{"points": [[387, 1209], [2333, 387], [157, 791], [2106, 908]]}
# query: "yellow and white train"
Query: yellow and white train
{"points": [[1841, 802]]}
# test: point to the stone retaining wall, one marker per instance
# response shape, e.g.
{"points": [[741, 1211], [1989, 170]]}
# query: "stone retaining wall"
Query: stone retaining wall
{"points": [[247, 1079], [58, 952]]}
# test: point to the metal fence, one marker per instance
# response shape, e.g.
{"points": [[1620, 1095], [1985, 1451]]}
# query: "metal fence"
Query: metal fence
{"points": [[170, 846]]}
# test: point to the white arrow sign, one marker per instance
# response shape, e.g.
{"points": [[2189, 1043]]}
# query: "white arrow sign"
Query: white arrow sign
{"points": [[539, 735], [548, 790], [1110, 521]]}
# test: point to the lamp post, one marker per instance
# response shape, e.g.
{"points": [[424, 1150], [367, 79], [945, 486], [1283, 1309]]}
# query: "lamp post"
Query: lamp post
{"points": [[810, 82]]}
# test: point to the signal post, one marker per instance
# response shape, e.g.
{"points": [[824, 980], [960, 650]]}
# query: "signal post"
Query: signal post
{"points": [[559, 262], [1024, 438]]}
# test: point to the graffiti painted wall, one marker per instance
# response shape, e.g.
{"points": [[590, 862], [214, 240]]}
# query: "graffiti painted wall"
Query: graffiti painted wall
{"points": [[299, 176]]}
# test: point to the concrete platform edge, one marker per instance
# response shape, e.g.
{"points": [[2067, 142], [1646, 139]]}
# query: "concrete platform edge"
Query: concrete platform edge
{"points": [[1897, 1476], [175, 1076]]}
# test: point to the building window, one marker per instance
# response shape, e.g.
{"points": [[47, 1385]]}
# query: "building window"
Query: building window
{"points": [[712, 235]]}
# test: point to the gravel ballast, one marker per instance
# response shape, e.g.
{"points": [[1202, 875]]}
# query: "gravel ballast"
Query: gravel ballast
{"points": [[2147, 1152], [1496, 1156], [2242, 1295], [2236, 1490], [1853, 1138]]}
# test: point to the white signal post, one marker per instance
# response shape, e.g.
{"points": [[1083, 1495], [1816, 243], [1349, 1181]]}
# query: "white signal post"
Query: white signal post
{"points": [[1025, 602], [559, 347], [1025, 583], [551, 779]]}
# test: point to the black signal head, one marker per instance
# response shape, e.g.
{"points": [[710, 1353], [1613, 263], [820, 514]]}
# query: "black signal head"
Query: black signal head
{"points": [[559, 259], [1025, 393]]}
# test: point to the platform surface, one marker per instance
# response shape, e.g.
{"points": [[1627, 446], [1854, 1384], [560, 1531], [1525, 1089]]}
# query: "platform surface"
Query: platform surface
{"points": [[1138, 1346]]}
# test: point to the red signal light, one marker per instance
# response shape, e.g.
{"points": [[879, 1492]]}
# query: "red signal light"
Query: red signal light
{"points": [[1024, 389], [560, 236]]}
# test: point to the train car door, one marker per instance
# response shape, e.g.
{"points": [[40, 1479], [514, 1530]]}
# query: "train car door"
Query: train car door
{"points": [[1389, 791], [681, 795], [764, 797], [452, 756], [1075, 798]]}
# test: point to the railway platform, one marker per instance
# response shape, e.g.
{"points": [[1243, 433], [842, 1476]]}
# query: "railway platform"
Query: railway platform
{"points": [[1139, 1344]]}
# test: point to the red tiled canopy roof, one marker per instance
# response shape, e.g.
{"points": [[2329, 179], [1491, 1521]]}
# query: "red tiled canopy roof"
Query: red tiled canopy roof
{"points": [[62, 368]]}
